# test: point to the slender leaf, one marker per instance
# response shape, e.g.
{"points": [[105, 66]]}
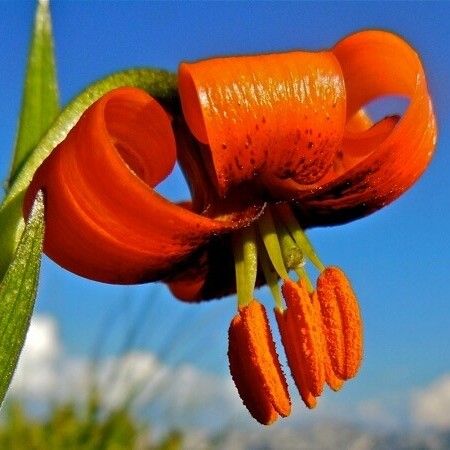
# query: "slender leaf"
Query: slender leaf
{"points": [[160, 84], [18, 293], [11, 229], [40, 102], [40, 106]]}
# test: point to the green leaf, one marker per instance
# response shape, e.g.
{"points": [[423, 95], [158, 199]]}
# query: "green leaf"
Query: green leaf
{"points": [[40, 102], [18, 293], [11, 229], [40, 106]]}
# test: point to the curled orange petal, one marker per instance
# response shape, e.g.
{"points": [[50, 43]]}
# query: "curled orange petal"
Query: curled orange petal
{"points": [[342, 322], [104, 220], [255, 367], [377, 163], [238, 106]]}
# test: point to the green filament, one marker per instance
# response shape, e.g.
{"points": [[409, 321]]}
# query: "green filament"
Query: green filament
{"points": [[271, 276], [284, 211], [302, 274], [245, 263], [270, 238]]}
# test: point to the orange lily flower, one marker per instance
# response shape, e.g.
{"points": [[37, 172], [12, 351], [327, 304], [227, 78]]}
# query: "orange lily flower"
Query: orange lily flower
{"points": [[270, 145]]}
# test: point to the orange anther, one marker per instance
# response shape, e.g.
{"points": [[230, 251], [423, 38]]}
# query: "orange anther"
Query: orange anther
{"points": [[255, 367], [333, 381], [291, 346], [304, 340], [342, 323]]}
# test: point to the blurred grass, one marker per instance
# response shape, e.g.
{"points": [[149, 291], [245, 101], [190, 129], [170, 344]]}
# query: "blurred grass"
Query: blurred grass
{"points": [[68, 427], [90, 420]]}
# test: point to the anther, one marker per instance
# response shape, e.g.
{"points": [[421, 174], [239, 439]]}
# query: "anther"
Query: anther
{"points": [[289, 339], [306, 334], [342, 323], [333, 381], [254, 365]]}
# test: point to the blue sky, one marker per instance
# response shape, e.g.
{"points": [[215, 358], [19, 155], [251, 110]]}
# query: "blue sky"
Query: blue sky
{"points": [[398, 259]]}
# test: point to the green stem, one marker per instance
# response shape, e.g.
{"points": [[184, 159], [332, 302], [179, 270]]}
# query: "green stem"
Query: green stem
{"points": [[245, 263], [270, 238], [286, 214]]}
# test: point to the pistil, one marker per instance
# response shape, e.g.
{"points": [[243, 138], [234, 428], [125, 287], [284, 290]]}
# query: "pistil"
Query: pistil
{"points": [[293, 256], [284, 212]]}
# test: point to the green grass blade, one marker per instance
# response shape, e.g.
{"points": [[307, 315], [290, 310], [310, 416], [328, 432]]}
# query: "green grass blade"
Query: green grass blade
{"points": [[17, 294], [40, 102], [40, 107], [11, 229]]}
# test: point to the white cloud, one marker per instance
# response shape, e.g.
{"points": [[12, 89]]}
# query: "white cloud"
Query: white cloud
{"points": [[376, 413], [36, 374], [189, 396], [431, 405]]}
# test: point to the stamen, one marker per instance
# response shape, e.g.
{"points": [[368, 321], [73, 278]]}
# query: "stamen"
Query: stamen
{"points": [[321, 330], [342, 323], [288, 218], [270, 238], [255, 366], [245, 263]]}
